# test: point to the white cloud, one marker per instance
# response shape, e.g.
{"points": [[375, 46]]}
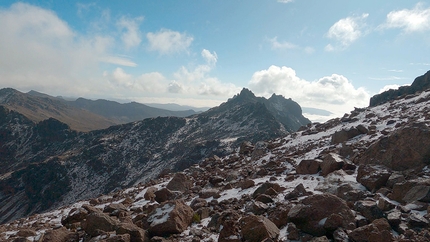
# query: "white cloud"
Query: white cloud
{"points": [[333, 93], [211, 58], [131, 35], [168, 41], [40, 51], [346, 31], [285, 1], [276, 45], [153, 82], [410, 20], [392, 87]]}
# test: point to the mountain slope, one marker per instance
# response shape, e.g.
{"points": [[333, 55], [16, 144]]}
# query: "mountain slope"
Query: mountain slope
{"points": [[362, 177], [119, 156], [125, 113], [38, 108]]}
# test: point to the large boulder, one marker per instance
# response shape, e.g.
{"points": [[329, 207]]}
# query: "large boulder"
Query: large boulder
{"points": [[404, 149], [95, 223], [171, 217], [180, 182], [373, 177], [330, 163], [411, 190], [311, 214], [136, 234], [378, 231], [258, 228], [308, 167]]}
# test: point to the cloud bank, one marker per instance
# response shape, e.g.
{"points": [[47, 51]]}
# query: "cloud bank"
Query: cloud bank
{"points": [[334, 93]]}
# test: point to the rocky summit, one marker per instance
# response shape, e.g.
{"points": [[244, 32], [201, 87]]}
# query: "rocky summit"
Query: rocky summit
{"points": [[362, 177], [46, 165]]}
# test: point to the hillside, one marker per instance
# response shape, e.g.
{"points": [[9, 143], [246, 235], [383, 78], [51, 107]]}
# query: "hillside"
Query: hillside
{"points": [[362, 177], [46, 165]]}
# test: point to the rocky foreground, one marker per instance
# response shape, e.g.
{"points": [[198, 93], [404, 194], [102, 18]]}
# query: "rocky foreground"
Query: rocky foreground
{"points": [[362, 177]]}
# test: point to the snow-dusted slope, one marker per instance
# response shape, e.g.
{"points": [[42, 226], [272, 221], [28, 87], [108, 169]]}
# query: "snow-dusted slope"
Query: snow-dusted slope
{"points": [[386, 203]]}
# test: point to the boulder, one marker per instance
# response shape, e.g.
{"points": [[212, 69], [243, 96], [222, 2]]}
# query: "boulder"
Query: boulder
{"points": [[330, 163], [298, 191], [150, 193], [247, 183], [246, 148], [378, 231], [279, 214], [170, 217], [410, 190], [198, 203], [369, 209], [164, 194], [180, 182], [266, 187], [308, 167], [136, 234], [313, 211], [257, 228], [373, 177], [60, 235], [96, 223], [406, 148], [76, 215], [344, 135]]}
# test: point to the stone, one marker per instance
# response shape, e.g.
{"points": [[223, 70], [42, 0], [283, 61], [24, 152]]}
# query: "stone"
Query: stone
{"points": [[150, 193], [417, 220], [293, 232], [417, 193], [394, 218], [60, 235], [378, 231], [198, 203], [312, 212], [164, 194], [330, 163], [136, 234], [26, 233], [207, 193], [246, 148], [119, 238], [373, 177], [114, 207], [257, 228], [180, 182], [406, 148], [298, 191], [257, 208], [400, 190], [95, 223], [264, 198], [170, 217], [215, 180], [279, 214], [308, 167], [229, 232], [247, 183], [369, 209], [265, 187], [344, 135], [76, 215]]}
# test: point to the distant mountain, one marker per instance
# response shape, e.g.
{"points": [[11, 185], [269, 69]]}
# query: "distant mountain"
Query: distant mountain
{"points": [[420, 83], [125, 113], [37, 107], [176, 107], [47, 164]]}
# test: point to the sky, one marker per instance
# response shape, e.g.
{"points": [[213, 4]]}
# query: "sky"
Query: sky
{"points": [[332, 55]]}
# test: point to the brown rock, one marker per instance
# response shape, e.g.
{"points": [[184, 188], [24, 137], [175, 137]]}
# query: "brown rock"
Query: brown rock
{"points": [[76, 215], [180, 182], [246, 148], [373, 177], [404, 149], [163, 195], [247, 183], [369, 209], [401, 189], [293, 232], [207, 193], [95, 223], [298, 191], [26, 233], [114, 207], [60, 235], [198, 203], [229, 232], [312, 212], [378, 231], [330, 163], [279, 214], [308, 167], [264, 198], [265, 187], [119, 238], [136, 234], [171, 217], [150, 193], [258, 228], [344, 135]]}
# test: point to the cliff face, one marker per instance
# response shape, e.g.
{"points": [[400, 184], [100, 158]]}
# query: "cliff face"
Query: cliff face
{"points": [[420, 83]]}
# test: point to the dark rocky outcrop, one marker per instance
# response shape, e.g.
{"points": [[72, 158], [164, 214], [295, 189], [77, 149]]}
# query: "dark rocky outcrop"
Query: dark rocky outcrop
{"points": [[420, 83]]}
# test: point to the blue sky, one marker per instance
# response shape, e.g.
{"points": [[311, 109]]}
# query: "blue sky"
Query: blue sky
{"points": [[331, 55]]}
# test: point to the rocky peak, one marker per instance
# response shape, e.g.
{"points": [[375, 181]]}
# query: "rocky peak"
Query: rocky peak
{"points": [[420, 84]]}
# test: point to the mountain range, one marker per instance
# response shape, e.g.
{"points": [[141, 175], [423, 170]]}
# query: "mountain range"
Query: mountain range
{"points": [[47, 164], [361, 177]]}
